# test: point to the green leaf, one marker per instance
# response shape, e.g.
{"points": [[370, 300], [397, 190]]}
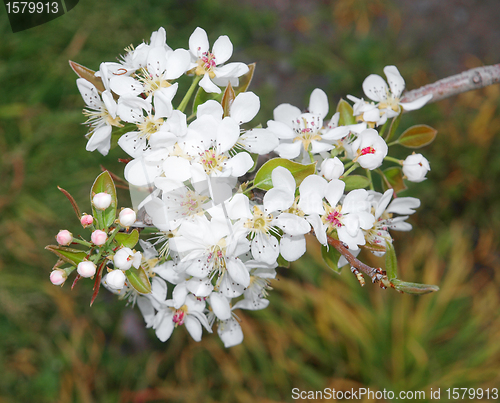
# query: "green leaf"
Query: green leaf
{"points": [[346, 113], [69, 255], [227, 99], [391, 261], [202, 96], [245, 80], [331, 257], [263, 178], [139, 280], [87, 74], [393, 179], [104, 183], [282, 262], [127, 240], [355, 182], [393, 127], [417, 136], [413, 288]]}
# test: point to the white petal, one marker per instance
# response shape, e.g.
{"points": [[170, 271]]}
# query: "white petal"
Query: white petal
{"points": [[404, 205], [334, 191], [312, 190], [292, 247], [200, 287], [100, 140], [177, 64], [238, 271], [194, 328], [277, 200], [165, 328], [259, 141], [177, 168], [225, 74], [252, 305], [179, 295], [395, 80], [318, 227], [244, 107], [289, 150], [147, 310], [318, 103], [265, 248], [319, 147], [89, 93], [208, 85], [292, 224], [281, 130], [156, 61], [375, 87], [139, 173], [222, 49], [417, 104], [220, 306], [383, 202], [123, 85], [286, 113], [239, 165], [228, 132], [212, 108], [230, 333], [198, 42]]}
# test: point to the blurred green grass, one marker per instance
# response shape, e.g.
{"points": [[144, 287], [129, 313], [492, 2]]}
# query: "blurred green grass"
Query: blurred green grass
{"points": [[321, 330]]}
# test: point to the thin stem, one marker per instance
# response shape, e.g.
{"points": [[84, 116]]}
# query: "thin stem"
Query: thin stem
{"points": [[311, 157], [356, 165], [393, 160], [81, 242], [189, 93], [369, 176], [375, 274]]}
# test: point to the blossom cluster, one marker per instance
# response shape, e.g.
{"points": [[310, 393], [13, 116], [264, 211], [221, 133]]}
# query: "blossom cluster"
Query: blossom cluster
{"points": [[218, 237]]}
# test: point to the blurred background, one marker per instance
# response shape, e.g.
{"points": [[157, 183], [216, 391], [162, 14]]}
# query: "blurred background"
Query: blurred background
{"points": [[321, 330]]}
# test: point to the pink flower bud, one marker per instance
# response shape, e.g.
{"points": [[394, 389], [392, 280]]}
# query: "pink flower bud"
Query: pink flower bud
{"points": [[99, 237], [101, 201], [86, 220], [58, 277], [115, 279], [86, 269], [127, 217], [64, 237]]}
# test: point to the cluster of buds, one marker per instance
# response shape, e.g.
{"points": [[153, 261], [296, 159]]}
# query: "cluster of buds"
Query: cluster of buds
{"points": [[216, 244]]}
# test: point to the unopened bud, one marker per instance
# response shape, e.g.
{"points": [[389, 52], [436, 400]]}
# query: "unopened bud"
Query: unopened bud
{"points": [[86, 268], [115, 279], [58, 277], [64, 237], [127, 217], [99, 237], [332, 168], [125, 258], [101, 201], [415, 167], [86, 220]]}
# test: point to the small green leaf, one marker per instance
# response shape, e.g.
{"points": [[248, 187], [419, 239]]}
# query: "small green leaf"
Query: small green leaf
{"points": [[227, 99], [391, 261], [414, 288], [355, 182], [202, 96], [245, 80], [393, 127], [282, 262], [127, 240], [87, 74], [69, 255], [393, 179], [417, 136], [263, 178], [104, 183], [331, 257], [139, 280], [346, 113]]}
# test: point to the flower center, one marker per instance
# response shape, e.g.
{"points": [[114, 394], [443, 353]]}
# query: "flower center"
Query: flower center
{"points": [[212, 161], [307, 127], [260, 221], [152, 83], [179, 316], [368, 150], [391, 102], [149, 126], [206, 64], [192, 203], [332, 216]]}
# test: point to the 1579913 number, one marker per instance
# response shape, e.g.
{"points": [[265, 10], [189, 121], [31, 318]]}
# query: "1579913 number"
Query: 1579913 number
{"points": [[22, 7], [471, 393]]}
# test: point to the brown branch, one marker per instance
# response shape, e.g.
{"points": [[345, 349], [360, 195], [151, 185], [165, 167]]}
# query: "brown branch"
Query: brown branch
{"points": [[377, 275], [469, 80]]}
